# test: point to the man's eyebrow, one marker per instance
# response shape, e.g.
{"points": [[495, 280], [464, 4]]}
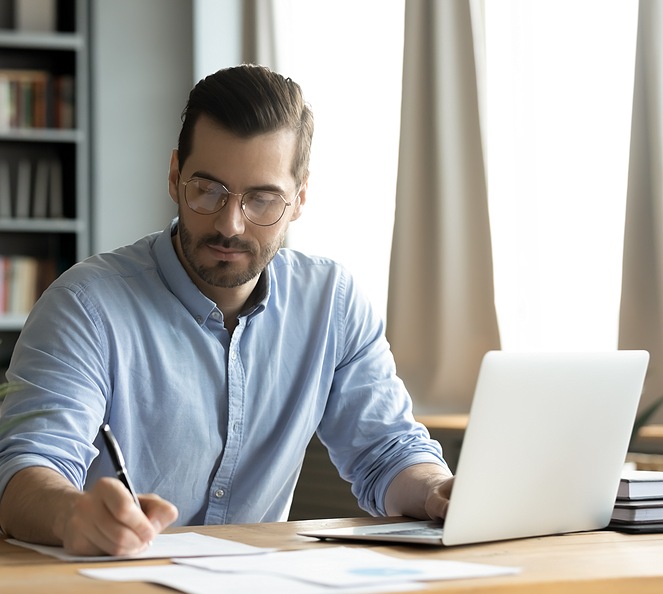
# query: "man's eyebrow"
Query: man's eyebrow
{"points": [[264, 187]]}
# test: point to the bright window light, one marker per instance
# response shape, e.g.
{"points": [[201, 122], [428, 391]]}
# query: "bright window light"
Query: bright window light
{"points": [[560, 89], [348, 61], [559, 99]]}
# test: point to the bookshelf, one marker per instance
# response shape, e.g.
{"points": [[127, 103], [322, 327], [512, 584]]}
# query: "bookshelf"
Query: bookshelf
{"points": [[44, 153]]}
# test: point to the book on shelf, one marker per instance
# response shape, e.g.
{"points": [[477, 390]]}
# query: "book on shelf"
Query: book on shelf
{"points": [[5, 191], [55, 208], [35, 15], [36, 99], [6, 101], [22, 280], [40, 195], [64, 101], [47, 191], [37, 188], [23, 189]]}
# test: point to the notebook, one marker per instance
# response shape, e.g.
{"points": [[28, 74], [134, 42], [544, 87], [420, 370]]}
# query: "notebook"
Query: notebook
{"points": [[543, 452]]}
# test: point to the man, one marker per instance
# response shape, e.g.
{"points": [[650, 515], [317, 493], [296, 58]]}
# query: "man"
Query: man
{"points": [[213, 353]]}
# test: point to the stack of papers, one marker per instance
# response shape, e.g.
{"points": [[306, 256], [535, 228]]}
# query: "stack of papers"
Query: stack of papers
{"points": [[235, 567]]}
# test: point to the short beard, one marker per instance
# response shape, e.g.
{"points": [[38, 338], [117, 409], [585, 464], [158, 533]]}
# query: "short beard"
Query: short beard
{"points": [[221, 274]]}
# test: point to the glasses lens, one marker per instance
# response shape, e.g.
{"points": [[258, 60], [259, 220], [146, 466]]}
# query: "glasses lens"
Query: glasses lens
{"points": [[204, 196], [263, 208]]}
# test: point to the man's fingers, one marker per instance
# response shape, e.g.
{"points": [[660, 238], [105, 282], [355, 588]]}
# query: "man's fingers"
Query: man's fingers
{"points": [[437, 503], [107, 520], [159, 512]]}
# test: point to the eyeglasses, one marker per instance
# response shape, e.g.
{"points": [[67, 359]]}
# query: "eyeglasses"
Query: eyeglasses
{"points": [[261, 207]]}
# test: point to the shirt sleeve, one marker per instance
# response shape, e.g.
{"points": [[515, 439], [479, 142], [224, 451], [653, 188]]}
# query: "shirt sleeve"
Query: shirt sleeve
{"points": [[368, 425], [55, 415]]}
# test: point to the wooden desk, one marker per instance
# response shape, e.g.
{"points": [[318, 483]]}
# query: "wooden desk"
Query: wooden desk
{"points": [[587, 563]]}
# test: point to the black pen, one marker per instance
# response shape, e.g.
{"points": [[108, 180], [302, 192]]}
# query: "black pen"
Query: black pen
{"points": [[118, 461]]}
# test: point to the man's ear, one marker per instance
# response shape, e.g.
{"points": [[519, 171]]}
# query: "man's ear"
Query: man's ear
{"points": [[301, 200], [174, 176]]}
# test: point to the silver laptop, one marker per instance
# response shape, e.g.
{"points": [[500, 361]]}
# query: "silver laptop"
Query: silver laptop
{"points": [[542, 454]]}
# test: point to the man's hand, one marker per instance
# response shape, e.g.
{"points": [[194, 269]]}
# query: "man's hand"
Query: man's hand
{"points": [[420, 491], [106, 520], [437, 501], [41, 506]]}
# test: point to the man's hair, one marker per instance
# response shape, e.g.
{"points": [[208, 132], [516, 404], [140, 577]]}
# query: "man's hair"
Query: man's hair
{"points": [[248, 100]]}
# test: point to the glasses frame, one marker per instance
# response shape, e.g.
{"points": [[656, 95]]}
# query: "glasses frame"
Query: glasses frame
{"points": [[242, 202]]}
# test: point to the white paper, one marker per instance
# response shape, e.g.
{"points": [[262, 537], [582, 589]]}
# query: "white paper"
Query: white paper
{"points": [[349, 566], [165, 546], [199, 581]]}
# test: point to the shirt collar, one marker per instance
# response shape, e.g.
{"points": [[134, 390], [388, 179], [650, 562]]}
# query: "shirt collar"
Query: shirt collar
{"points": [[176, 278], [180, 284]]}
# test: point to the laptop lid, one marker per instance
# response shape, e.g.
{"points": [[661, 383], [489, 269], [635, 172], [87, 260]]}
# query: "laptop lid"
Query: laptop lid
{"points": [[545, 444], [543, 451]]}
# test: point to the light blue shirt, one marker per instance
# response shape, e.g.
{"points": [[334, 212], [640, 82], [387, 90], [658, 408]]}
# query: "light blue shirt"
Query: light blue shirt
{"points": [[216, 423]]}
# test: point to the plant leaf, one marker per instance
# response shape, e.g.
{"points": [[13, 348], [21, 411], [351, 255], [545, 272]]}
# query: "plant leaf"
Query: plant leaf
{"points": [[7, 388]]}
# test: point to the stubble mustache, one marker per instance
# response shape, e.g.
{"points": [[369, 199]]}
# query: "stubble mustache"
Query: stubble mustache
{"points": [[219, 240]]}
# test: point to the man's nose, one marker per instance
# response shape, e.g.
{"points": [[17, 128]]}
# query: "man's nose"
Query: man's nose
{"points": [[230, 219]]}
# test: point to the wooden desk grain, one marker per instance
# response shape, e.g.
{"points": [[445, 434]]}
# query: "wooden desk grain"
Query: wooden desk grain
{"points": [[584, 563]]}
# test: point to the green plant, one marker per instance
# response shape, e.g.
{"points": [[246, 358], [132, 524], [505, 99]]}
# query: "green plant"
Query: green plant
{"points": [[6, 389]]}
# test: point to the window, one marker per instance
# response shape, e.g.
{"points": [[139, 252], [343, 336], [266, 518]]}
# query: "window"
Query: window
{"points": [[559, 94], [559, 97], [347, 56]]}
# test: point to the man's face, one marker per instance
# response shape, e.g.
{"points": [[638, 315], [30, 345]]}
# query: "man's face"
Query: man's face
{"points": [[224, 249]]}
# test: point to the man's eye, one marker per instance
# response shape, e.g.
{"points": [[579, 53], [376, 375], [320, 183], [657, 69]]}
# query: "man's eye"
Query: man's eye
{"points": [[209, 188], [262, 199]]}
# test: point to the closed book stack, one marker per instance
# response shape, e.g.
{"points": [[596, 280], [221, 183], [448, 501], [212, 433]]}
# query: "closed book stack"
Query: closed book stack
{"points": [[639, 504]]}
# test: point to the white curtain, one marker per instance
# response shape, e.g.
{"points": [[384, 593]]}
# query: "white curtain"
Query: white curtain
{"points": [[259, 44], [441, 314], [641, 316]]}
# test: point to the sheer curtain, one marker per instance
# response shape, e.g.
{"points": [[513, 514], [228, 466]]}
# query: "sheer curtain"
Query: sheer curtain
{"points": [[259, 35], [347, 56], [560, 88], [555, 88], [441, 313], [641, 321]]}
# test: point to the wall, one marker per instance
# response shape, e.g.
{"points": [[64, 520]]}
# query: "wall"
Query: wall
{"points": [[217, 39], [141, 73]]}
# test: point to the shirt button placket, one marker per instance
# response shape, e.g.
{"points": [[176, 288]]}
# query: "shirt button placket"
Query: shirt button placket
{"points": [[220, 494]]}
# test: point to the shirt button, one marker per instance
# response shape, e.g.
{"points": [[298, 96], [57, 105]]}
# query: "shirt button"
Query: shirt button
{"points": [[233, 355], [199, 319], [216, 315], [219, 493]]}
